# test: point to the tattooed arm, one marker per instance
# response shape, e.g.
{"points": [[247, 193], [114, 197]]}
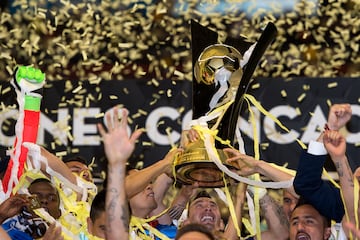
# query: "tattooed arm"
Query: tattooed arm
{"points": [[335, 144], [276, 220], [181, 199], [118, 147]]}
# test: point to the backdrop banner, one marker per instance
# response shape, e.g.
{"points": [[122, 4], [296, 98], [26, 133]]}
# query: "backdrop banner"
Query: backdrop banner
{"points": [[71, 110]]}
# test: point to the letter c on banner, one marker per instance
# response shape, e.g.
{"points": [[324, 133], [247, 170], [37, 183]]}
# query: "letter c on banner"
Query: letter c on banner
{"points": [[269, 125], [152, 123]]}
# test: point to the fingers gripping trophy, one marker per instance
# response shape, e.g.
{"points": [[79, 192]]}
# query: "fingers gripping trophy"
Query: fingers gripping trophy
{"points": [[221, 76]]}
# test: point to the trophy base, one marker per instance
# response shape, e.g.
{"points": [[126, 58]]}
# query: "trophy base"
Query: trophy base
{"points": [[206, 174], [193, 166]]}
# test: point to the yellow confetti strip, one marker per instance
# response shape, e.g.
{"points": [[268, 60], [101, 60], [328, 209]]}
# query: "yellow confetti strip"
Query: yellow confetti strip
{"points": [[61, 154], [301, 97], [332, 85], [328, 102], [147, 144], [255, 86]]}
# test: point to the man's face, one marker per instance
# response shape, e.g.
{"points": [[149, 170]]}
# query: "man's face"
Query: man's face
{"points": [[143, 203], [289, 203], [47, 196], [205, 211], [306, 223], [80, 169], [98, 227]]}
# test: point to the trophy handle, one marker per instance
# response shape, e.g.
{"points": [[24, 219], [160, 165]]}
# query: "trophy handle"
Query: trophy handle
{"points": [[266, 38]]}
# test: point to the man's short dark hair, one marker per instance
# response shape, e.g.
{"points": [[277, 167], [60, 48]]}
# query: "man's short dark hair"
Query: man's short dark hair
{"points": [[80, 159], [42, 180], [200, 194], [194, 227], [302, 201], [98, 205]]}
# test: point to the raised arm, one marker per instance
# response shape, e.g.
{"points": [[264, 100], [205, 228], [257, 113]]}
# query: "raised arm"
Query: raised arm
{"points": [[57, 165], [247, 165], [308, 183], [335, 144], [136, 182], [276, 220], [118, 148], [230, 230]]}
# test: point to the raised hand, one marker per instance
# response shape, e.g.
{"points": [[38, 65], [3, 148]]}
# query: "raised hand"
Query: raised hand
{"points": [[169, 160], [334, 143], [117, 143], [189, 136], [339, 115]]}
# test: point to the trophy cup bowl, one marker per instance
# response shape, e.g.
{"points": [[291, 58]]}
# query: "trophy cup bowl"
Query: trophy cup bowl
{"points": [[194, 165]]}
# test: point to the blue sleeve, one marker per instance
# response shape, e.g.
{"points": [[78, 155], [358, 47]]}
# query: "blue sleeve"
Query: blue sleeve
{"points": [[168, 230], [14, 233], [324, 196]]}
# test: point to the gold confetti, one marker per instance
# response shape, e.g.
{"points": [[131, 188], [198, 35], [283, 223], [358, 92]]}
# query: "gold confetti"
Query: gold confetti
{"points": [[328, 102], [156, 83], [179, 74], [283, 93], [264, 146], [6, 90], [142, 112], [146, 144], [301, 97], [125, 90], [61, 154], [75, 150], [152, 41], [153, 102], [306, 87], [70, 137], [100, 115], [160, 123], [181, 109], [255, 86], [139, 165], [332, 85]]}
